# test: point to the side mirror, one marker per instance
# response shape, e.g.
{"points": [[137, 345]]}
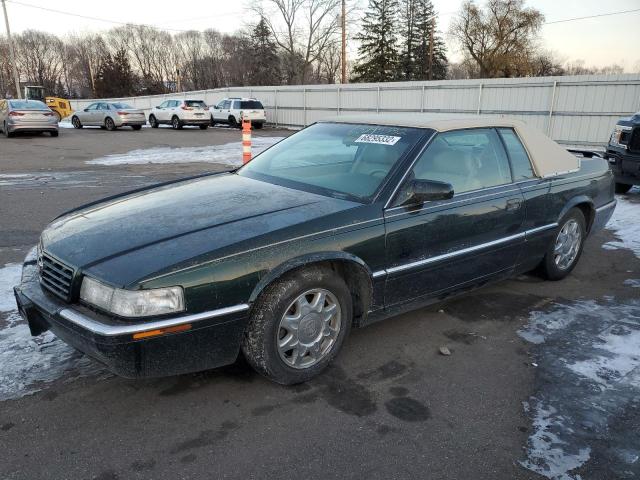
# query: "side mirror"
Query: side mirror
{"points": [[421, 191], [157, 106], [86, 110]]}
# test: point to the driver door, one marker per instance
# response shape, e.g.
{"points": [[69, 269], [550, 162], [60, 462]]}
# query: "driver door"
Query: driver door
{"points": [[444, 245]]}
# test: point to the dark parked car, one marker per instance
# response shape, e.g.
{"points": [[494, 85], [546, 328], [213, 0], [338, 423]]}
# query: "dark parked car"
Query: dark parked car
{"points": [[623, 152], [344, 223]]}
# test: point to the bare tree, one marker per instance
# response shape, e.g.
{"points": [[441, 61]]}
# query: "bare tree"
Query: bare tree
{"points": [[497, 36], [303, 29]]}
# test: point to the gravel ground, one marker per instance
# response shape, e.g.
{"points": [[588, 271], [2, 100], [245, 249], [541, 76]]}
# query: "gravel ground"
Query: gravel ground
{"points": [[542, 380]]}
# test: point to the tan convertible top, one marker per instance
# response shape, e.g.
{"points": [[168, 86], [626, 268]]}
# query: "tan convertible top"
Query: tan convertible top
{"points": [[548, 158]]}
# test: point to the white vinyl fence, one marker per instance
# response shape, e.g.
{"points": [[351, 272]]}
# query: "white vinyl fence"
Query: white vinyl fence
{"points": [[576, 110]]}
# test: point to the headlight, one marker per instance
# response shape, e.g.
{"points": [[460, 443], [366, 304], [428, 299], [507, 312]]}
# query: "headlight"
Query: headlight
{"points": [[132, 303]]}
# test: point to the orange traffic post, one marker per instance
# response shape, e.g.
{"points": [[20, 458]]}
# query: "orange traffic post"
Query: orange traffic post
{"points": [[246, 141]]}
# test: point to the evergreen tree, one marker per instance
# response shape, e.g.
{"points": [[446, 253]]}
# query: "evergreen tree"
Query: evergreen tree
{"points": [[265, 61], [378, 51], [410, 39], [115, 77], [425, 12]]}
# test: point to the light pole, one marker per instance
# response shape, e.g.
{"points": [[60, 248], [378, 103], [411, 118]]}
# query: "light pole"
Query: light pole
{"points": [[12, 53], [344, 41]]}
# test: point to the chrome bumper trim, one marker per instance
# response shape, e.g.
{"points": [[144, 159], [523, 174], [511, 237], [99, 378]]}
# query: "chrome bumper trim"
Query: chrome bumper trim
{"points": [[114, 330], [607, 206]]}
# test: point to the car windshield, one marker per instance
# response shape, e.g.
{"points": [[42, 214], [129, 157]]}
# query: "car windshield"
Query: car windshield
{"points": [[251, 104], [28, 105], [337, 159], [195, 103], [123, 106]]}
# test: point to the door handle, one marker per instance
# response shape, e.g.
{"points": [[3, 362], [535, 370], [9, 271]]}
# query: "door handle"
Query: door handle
{"points": [[514, 204]]}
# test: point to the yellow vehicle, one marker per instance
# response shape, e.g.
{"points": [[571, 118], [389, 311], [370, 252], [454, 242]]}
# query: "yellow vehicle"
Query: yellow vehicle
{"points": [[60, 106]]}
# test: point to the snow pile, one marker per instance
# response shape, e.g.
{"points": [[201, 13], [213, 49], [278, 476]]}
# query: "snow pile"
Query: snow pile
{"points": [[26, 362], [226, 154], [625, 223], [588, 357]]}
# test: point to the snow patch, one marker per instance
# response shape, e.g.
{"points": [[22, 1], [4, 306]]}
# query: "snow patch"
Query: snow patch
{"points": [[28, 363], [226, 154], [625, 223], [632, 282], [547, 454], [588, 356]]}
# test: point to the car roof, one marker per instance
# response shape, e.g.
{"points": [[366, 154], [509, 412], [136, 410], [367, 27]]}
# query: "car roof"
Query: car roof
{"points": [[547, 157]]}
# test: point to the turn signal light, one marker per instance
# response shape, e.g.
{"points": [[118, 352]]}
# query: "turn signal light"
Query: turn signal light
{"points": [[162, 331]]}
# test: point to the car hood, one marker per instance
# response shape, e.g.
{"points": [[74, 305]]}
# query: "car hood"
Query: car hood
{"points": [[132, 237]]}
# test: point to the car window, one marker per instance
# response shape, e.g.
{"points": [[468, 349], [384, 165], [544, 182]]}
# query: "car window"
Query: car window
{"points": [[92, 106], [195, 103], [251, 105], [227, 105], [236, 105], [122, 106], [467, 159], [163, 105], [27, 105], [103, 106], [517, 154], [335, 158]]}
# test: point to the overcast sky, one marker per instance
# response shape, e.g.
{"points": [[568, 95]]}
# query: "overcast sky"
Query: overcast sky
{"points": [[597, 41]]}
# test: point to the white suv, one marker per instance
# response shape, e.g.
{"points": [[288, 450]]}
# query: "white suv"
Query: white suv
{"points": [[179, 113], [233, 110]]}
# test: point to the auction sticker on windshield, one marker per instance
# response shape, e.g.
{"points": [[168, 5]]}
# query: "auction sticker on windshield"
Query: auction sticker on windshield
{"points": [[379, 139]]}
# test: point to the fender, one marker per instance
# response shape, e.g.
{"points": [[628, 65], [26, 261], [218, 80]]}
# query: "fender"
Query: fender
{"points": [[307, 259], [577, 200]]}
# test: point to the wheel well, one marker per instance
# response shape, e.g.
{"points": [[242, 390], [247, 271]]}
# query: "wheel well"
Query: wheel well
{"points": [[355, 276], [589, 213]]}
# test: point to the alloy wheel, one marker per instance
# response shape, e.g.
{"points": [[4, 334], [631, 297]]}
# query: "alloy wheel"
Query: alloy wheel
{"points": [[567, 245], [309, 328]]}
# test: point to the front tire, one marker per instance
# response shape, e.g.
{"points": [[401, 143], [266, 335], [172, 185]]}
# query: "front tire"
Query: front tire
{"points": [[176, 123], [298, 325], [136, 127], [153, 122], [622, 188], [258, 126], [109, 124], [203, 127], [54, 133], [75, 121], [564, 251], [232, 122]]}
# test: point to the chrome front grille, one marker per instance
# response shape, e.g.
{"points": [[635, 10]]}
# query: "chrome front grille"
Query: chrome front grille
{"points": [[55, 276]]}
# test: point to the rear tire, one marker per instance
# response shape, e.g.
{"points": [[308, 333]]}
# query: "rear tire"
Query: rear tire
{"points": [[136, 127], [176, 124], [258, 126], [203, 127], [310, 311], [622, 188], [153, 122], [564, 251], [75, 121], [54, 133], [109, 124]]}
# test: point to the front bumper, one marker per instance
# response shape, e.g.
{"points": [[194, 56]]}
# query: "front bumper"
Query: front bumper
{"points": [[624, 165], [212, 340]]}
